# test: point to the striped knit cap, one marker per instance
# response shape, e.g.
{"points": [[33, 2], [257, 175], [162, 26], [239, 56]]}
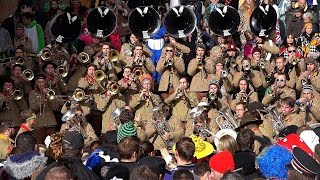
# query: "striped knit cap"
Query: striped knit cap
{"points": [[126, 130]]}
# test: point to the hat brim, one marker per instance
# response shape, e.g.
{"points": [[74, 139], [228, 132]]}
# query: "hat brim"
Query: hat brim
{"points": [[47, 63], [257, 122], [206, 152]]}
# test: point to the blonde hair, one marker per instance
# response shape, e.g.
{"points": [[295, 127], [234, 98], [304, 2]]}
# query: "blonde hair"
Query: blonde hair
{"points": [[228, 143]]}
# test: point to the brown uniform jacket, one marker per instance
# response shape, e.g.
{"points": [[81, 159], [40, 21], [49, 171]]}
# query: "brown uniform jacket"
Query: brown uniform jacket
{"points": [[287, 92], [143, 107], [25, 41], [293, 119], [257, 78], [181, 107], [201, 78], [252, 96], [111, 68], [170, 75], [128, 89], [13, 109], [314, 80], [107, 106], [176, 132], [127, 52], [47, 118]]}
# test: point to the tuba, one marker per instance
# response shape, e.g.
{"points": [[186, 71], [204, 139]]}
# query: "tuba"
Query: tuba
{"points": [[276, 118], [27, 75], [180, 21], [225, 120], [101, 22], [144, 21], [161, 124], [224, 21], [263, 20], [83, 58], [114, 88], [100, 75]]}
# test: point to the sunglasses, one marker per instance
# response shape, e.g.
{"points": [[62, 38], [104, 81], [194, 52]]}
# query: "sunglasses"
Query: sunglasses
{"points": [[292, 51], [281, 80], [169, 50]]}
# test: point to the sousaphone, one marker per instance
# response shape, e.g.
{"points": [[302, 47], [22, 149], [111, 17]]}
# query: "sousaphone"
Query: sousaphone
{"points": [[101, 22], [263, 20], [144, 21], [224, 21], [65, 27], [180, 21]]}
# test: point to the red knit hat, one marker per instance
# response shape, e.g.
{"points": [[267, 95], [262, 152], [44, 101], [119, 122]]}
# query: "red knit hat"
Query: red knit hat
{"points": [[222, 162], [147, 76]]}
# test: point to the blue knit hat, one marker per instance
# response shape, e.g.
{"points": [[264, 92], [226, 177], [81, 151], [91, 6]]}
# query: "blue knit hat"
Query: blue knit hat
{"points": [[126, 130]]}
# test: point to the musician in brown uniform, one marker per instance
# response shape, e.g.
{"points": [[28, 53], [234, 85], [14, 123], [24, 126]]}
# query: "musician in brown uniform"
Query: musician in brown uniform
{"points": [[107, 102], [19, 82], [278, 90], [140, 60], [289, 113], [128, 84], [21, 38], [89, 82], [179, 49], [21, 58], [309, 105], [200, 68], [243, 93], [103, 62], [171, 67], [13, 104], [94, 47], [43, 107], [164, 138], [221, 74], [182, 100], [127, 49], [285, 68], [144, 101], [310, 76]]}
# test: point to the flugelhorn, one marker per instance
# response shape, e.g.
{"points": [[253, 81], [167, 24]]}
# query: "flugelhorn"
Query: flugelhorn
{"points": [[27, 75], [224, 73], [113, 55], [113, 88], [46, 54], [17, 94], [83, 58], [100, 75]]}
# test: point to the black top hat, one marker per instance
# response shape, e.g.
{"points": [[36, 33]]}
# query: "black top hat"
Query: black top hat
{"points": [[101, 22], [65, 27], [248, 119], [224, 21], [263, 20]]}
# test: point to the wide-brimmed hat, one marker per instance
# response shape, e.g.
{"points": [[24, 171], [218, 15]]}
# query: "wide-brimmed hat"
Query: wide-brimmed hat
{"points": [[203, 148], [222, 133], [248, 119]]}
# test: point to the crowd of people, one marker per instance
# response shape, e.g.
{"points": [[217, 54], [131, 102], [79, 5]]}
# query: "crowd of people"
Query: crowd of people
{"points": [[207, 106]]}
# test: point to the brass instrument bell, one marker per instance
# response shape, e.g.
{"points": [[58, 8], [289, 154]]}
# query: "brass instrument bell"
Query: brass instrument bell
{"points": [[100, 75], [114, 88], [51, 94], [83, 58], [78, 94], [137, 72], [20, 61], [46, 54], [27, 75], [113, 55], [62, 71], [17, 94]]}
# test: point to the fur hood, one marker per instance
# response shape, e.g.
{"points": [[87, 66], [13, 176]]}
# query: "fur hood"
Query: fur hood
{"points": [[23, 165]]}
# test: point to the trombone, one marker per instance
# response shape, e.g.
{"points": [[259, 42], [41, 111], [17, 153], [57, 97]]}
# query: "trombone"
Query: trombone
{"points": [[100, 75], [114, 55], [113, 88], [27, 75], [137, 72], [17, 94], [79, 95]]}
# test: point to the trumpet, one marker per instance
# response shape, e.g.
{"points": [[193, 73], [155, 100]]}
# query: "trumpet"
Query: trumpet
{"points": [[303, 106], [83, 58], [305, 81], [246, 67], [140, 62], [212, 97], [224, 73], [225, 120], [46, 54], [63, 71], [20, 61], [244, 97], [294, 61], [100, 75], [200, 64], [27, 75], [113, 88], [262, 65], [113, 55], [146, 96], [168, 63], [17, 94], [180, 93]]}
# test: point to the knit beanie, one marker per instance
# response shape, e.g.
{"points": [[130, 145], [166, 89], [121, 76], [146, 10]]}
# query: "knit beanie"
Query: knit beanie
{"points": [[126, 130], [222, 162]]}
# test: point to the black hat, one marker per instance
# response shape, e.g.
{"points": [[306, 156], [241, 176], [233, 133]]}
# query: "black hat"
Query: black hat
{"points": [[292, 129], [101, 22], [65, 27], [41, 76], [157, 163], [248, 119], [263, 20], [47, 63], [224, 20], [74, 139], [304, 163], [110, 170]]}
